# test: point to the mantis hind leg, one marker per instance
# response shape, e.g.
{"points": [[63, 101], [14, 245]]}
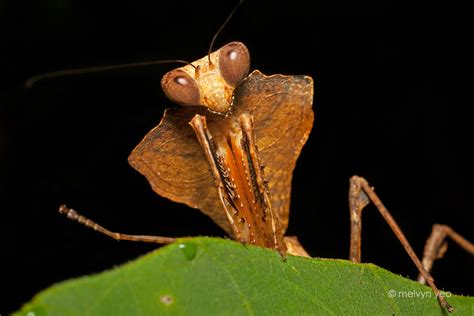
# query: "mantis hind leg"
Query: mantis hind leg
{"points": [[436, 246], [360, 194], [75, 216]]}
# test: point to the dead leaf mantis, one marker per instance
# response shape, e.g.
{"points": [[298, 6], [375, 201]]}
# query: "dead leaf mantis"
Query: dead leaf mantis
{"points": [[243, 131]]}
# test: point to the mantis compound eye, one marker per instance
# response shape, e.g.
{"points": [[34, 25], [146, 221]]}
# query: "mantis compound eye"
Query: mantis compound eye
{"points": [[180, 88], [234, 62]]}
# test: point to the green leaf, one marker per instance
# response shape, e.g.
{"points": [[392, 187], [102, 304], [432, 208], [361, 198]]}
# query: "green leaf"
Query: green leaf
{"points": [[207, 276]]}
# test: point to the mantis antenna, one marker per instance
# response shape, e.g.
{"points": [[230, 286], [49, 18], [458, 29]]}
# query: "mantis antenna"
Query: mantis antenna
{"points": [[80, 71], [30, 82], [220, 30]]}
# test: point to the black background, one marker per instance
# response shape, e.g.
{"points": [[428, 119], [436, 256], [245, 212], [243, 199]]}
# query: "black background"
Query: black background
{"points": [[391, 102]]}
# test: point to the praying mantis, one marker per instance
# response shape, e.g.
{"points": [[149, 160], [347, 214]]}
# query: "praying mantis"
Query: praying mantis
{"points": [[358, 197]]}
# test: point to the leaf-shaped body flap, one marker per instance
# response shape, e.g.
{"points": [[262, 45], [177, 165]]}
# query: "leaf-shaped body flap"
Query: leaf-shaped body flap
{"points": [[172, 160], [282, 110]]}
